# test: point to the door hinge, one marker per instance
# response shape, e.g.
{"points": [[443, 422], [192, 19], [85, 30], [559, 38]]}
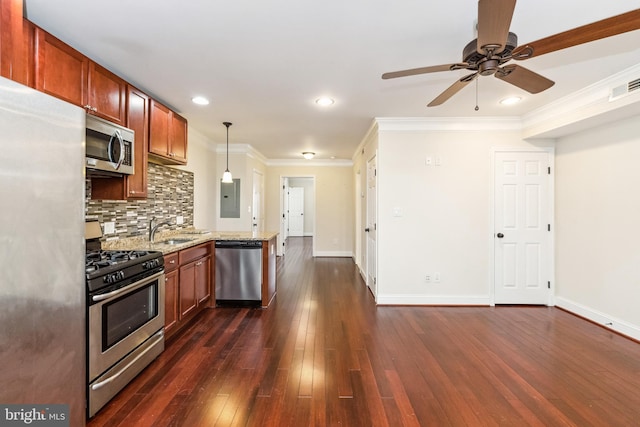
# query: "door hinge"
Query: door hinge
{"points": [[549, 170], [548, 227], [548, 285], [375, 226], [375, 172]]}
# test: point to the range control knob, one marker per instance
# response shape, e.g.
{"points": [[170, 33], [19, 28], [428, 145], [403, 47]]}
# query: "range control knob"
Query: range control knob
{"points": [[152, 263]]}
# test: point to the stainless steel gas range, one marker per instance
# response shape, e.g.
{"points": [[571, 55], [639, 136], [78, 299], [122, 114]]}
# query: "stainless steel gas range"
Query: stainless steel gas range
{"points": [[125, 316]]}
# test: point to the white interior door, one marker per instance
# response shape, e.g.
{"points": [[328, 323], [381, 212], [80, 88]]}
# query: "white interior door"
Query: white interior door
{"points": [[296, 211], [522, 238], [284, 215], [257, 223], [371, 226]]}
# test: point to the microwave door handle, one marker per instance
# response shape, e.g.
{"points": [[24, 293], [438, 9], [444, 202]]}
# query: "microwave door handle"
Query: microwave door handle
{"points": [[118, 136]]}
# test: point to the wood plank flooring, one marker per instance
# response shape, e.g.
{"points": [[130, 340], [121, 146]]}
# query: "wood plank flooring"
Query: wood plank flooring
{"points": [[323, 354]]}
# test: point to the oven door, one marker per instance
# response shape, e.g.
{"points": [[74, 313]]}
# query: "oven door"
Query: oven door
{"points": [[121, 320]]}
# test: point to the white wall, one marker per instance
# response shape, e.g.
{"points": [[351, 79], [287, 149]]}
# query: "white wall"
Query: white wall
{"points": [[201, 161], [309, 202], [598, 224], [446, 218]]}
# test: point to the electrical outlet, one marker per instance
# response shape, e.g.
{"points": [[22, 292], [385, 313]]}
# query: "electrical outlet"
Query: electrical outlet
{"points": [[109, 227], [427, 278], [179, 220], [436, 277]]}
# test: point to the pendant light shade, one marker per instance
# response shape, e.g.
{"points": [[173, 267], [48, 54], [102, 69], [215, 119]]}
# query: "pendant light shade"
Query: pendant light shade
{"points": [[226, 176]]}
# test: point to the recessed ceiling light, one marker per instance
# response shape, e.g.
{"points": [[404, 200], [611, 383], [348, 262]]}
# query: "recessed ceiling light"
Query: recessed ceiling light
{"points": [[308, 155], [511, 100], [200, 100], [324, 101]]}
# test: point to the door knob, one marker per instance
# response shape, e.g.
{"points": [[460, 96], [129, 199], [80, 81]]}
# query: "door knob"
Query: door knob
{"points": [[366, 230], [500, 235]]}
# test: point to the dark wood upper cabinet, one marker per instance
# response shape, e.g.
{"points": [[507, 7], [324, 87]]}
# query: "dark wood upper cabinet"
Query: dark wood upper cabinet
{"points": [[138, 120], [167, 135], [106, 94], [65, 73], [60, 70], [13, 56]]}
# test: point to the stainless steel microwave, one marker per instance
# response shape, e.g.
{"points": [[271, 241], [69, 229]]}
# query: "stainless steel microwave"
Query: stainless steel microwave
{"points": [[109, 148]]}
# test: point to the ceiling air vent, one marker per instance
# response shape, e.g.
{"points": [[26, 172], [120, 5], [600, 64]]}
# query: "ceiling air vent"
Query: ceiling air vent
{"points": [[625, 89]]}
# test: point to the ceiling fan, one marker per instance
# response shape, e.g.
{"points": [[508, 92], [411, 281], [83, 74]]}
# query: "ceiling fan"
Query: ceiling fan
{"points": [[496, 45]]}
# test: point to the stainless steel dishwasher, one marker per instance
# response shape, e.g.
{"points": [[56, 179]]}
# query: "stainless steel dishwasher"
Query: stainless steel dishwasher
{"points": [[238, 272]]}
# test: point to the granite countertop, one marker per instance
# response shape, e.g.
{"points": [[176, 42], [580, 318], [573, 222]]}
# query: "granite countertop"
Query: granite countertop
{"points": [[186, 238]]}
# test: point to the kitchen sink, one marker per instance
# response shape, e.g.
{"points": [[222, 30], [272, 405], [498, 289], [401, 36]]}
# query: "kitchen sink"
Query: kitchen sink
{"points": [[175, 241]]}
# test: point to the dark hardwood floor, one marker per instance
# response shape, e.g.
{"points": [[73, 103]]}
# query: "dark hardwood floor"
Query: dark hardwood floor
{"points": [[324, 355]]}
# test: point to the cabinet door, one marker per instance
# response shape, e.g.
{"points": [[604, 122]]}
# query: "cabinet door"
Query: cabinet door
{"points": [[106, 94], [178, 148], [203, 279], [171, 300], [188, 300], [138, 120], [13, 61], [159, 126], [61, 71]]}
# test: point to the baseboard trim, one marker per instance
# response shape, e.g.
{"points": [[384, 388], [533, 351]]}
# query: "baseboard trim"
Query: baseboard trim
{"points": [[334, 254], [602, 319], [432, 300]]}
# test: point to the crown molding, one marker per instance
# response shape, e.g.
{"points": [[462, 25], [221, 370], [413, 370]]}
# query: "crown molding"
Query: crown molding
{"points": [[241, 149], [584, 108], [312, 162]]}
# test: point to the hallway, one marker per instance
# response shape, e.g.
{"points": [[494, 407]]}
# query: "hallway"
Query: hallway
{"points": [[323, 354]]}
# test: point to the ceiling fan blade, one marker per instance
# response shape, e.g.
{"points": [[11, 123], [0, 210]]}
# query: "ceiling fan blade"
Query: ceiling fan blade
{"points": [[524, 78], [424, 70], [608, 27], [452, 90], [494, 20]]}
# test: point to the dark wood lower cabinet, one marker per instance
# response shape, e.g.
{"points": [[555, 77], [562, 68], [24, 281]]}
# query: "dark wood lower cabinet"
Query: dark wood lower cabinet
{"points": [[188, 285]]}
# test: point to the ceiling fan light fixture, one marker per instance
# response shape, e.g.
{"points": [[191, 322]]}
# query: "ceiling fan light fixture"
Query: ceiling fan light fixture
{"points": [[308, 155], [325, 101], [512, 100], [200, 100]]}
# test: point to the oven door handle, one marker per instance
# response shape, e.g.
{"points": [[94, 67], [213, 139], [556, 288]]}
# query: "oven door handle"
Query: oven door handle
{"points": [[102, 297], [158, 337]]}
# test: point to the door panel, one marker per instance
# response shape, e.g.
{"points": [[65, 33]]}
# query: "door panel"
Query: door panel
{"points": [[371, 227], [522, 239], [296, 211]]}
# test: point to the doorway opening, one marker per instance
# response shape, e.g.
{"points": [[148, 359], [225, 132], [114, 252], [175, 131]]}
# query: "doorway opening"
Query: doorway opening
{"points": [[297, 210]]}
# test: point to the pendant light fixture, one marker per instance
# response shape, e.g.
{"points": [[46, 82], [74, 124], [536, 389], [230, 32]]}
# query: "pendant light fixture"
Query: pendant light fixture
{"points": [[226, 176]]}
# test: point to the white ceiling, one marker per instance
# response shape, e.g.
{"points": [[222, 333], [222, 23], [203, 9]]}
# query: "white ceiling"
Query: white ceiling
{"points": [[263, 63]]}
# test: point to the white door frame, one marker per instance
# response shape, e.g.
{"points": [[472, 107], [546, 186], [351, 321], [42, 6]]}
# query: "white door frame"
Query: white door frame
{"points": [[551, 259], [257, 221], [315, 207]]}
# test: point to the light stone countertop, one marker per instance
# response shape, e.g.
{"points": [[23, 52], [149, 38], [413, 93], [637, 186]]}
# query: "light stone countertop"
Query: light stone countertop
{"points": [[192, 237]]}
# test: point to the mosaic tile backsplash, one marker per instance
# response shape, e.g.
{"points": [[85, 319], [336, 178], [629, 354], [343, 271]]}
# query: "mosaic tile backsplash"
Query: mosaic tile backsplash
{"points": [[170, 194]]}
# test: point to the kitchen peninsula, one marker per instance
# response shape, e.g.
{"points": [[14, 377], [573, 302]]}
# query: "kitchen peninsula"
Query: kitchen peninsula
{"points": [[189, 261]]}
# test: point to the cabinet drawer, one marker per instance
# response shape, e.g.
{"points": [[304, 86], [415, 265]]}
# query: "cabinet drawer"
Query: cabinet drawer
{"points": [[190, 254], [170, 262]]}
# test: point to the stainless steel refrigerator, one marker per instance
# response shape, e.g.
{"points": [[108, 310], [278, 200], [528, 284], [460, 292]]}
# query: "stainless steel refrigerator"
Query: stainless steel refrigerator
{"points": [[42, 287]]}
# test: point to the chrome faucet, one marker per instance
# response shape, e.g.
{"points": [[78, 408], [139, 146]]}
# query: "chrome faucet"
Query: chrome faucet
{"points": [[154, 228]]}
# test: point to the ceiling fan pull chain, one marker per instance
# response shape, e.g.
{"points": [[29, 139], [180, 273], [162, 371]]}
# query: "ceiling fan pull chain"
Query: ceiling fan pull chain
{"points": [[477, 108]]}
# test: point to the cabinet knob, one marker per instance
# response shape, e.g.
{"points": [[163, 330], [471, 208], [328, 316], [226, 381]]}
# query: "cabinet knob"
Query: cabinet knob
{"points": [[87, 107], [199, 263], [173, 261]]}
